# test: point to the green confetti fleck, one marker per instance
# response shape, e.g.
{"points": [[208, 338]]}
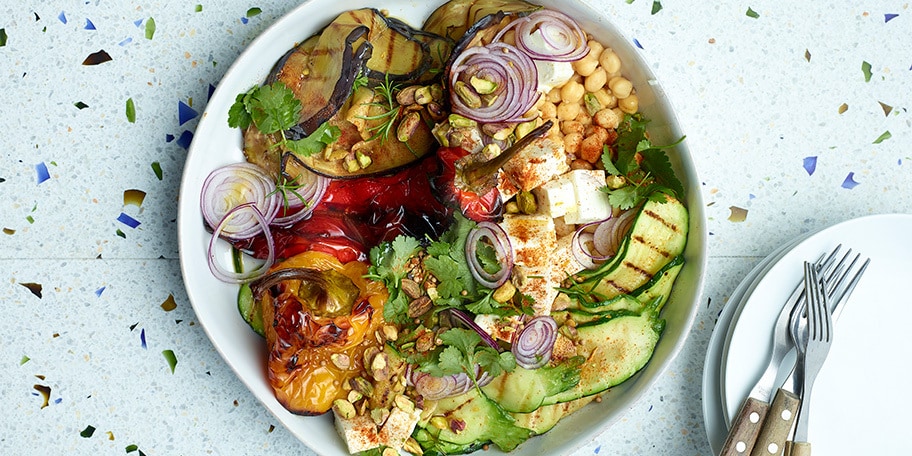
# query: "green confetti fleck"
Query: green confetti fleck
{"points": [[24, 360], [866, 69], [172, 360], [253, 11], [752, 13], [87, 432], [656, 6], [198, 9], [121, 233], [157, 169], [887, 109], [132, 447], [80, 105], [2, 37], [150, 28], [30, 219], [131, 111], [883, 137]]}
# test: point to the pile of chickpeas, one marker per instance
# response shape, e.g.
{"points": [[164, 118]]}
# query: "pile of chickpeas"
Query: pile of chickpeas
{"points": [[585, 127]]}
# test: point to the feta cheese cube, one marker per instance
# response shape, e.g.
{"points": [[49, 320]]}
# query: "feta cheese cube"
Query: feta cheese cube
{"points": [[359, 432], [552, 74], [538, 163], [533, 238], [398, 427], [590, 203], [555, 197]]}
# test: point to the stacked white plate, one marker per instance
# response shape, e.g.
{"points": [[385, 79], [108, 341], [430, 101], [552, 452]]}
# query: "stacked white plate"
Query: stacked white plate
{"points": [[861, 400]]}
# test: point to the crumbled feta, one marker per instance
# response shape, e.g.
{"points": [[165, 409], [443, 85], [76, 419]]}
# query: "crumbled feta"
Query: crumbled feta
{"points": [[398, 427], [359, 432], [555, 197], [534, 240]]}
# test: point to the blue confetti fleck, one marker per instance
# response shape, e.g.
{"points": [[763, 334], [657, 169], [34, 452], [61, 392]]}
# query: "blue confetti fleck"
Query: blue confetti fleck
{"points": [[185, 138], [125, 41], [637, 43], [138, 22], [169, 137], [889, 17], [99, 291], [751, 196], [62, 17], [211, 90], [142, 337], [185, 113], [899, 161], [810, 164], [849, 181], [597, 449], [127, 220], [58, 400], [650, 408], [42, 170], [244, 20], [89, 25]]}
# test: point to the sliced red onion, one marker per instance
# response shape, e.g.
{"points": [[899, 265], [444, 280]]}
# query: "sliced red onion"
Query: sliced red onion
{"points": [[513, 74], [234, 185], [532, 346], [593, 247], [301, 202], [549, 35], [247, 276], [434, 388], [469, 322], [499, 240]]}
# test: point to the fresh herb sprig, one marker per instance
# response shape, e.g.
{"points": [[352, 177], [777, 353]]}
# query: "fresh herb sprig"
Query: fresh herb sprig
{"points": [[273, 108], [645, 166], [390, 111], [389, 264], [461, 351]]}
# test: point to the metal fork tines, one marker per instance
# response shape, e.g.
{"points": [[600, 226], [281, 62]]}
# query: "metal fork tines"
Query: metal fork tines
{"points": [[813, 352]]}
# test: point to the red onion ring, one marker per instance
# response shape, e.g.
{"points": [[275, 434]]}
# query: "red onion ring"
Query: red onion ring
{"points": [[234, 185], [532, 346], [243, 277], [503, 249], [511, 70], [605, 240], [469, 322], [561, 38], [303, 200]]}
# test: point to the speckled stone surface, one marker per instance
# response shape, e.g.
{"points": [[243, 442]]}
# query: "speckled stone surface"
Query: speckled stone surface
{"points": [[796, 114]]}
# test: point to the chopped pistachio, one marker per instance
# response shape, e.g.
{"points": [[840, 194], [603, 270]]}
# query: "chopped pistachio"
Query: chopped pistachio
{"points": [[406, 96], [411, 288], [354, 396], [344, 409], [411, 445], [525, 128], [364, 160], [407, 126], [498, 131], [592, 104], [404, 403], [483, 86], [468, 96], [439, 422], [504, 292], [526, 202], [379, 415], [351, 165], [423, 96], [457, 121], [340, 360]]}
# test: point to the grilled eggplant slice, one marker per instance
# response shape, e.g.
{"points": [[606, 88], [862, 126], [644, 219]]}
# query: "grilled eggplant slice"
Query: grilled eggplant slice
{"points": [[455, 18]]}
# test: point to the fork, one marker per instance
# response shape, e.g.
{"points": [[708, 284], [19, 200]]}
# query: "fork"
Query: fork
{"points": [[813, 353]]}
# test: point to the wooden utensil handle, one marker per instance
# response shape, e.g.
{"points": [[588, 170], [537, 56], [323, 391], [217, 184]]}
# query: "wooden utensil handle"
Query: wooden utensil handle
{"points": [[745, 428], [799, 449], [778, 424]]}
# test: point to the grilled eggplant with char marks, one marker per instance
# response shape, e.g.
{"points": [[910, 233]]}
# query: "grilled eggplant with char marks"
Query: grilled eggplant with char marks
{"points": [[349, 76]]}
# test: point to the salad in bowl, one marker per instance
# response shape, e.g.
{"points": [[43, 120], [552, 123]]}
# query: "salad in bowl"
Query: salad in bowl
{"points": [[441, 238]]}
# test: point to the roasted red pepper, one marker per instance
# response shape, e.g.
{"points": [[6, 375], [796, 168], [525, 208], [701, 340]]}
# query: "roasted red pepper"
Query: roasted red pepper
{"points": [[486, 207]]}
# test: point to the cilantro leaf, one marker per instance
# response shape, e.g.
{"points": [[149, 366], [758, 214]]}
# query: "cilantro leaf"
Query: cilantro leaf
{"points": [[487, 258], [238, 117], [273, 108], [451, 279], [314, 143], [389, 264], [656, 163]]}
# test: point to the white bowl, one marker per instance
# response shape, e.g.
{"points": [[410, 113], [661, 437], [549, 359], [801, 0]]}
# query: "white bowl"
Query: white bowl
{"points": [[215, 144]]}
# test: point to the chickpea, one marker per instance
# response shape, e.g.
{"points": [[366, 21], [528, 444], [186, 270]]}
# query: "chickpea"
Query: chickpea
{"points": [[554, 95], [572, 126], [596, 80], [591, 149], [572, 142], [599, 132], [606, 118], [605, 98], [580, 164], [568, 111], [548, 110], [583, 117], [630, 105], [620, 86], [586, 65], [610, 61], [572, 92], [595, 48]]}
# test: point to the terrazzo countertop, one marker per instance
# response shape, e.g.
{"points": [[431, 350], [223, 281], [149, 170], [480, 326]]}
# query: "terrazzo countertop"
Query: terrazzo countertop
{"points": [[796, 114]]}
